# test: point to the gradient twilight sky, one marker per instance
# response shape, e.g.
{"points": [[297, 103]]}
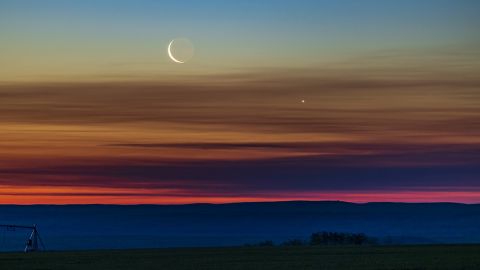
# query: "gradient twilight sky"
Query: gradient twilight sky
{"points": [[92, 110]]}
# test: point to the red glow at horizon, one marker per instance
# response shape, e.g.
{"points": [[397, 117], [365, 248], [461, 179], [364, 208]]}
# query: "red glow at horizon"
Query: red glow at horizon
{"points": [[59, 195]]}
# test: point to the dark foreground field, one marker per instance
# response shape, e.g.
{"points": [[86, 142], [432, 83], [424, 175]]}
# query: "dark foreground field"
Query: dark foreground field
{"points": [[386, 257]]}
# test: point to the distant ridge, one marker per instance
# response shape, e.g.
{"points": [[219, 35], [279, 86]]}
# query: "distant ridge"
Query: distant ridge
{"points": [[298, 202], [93, 226]]}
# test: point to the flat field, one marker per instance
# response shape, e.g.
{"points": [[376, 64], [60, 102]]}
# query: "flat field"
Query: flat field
{"points": [[261, 258]]}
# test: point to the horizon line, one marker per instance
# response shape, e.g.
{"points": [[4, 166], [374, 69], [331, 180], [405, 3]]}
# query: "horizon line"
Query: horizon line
{"points": [[244, 202]]}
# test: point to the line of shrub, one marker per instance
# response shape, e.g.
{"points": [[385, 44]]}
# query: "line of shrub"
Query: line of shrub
{"points": [[326, 238]]}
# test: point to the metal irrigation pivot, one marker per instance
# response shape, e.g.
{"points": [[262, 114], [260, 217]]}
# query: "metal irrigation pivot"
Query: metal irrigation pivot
{"points": [[33, 241]]}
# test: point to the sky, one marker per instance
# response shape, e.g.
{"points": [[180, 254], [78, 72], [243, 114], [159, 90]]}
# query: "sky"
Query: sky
{"points": [[347, 100]]}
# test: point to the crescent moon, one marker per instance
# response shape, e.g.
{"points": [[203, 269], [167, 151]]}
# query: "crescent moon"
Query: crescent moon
{"points": [[171, 55]]}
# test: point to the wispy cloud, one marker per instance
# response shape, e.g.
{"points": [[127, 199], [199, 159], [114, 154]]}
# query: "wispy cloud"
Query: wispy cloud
{"points": [[245, 137]]}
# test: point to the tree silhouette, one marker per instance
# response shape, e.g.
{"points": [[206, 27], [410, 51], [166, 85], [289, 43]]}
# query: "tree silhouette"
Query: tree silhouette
{"points": [[336, 238]]}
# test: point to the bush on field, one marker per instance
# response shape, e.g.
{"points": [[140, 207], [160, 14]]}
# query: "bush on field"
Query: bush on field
{"points": [[336, 238]]}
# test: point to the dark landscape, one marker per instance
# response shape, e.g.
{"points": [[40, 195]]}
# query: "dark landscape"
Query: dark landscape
{"points": [[76, 227], [425, 257]]}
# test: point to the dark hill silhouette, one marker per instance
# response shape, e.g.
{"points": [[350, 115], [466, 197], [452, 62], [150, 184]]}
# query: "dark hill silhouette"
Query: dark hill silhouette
{"points": [[136, 226]]}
